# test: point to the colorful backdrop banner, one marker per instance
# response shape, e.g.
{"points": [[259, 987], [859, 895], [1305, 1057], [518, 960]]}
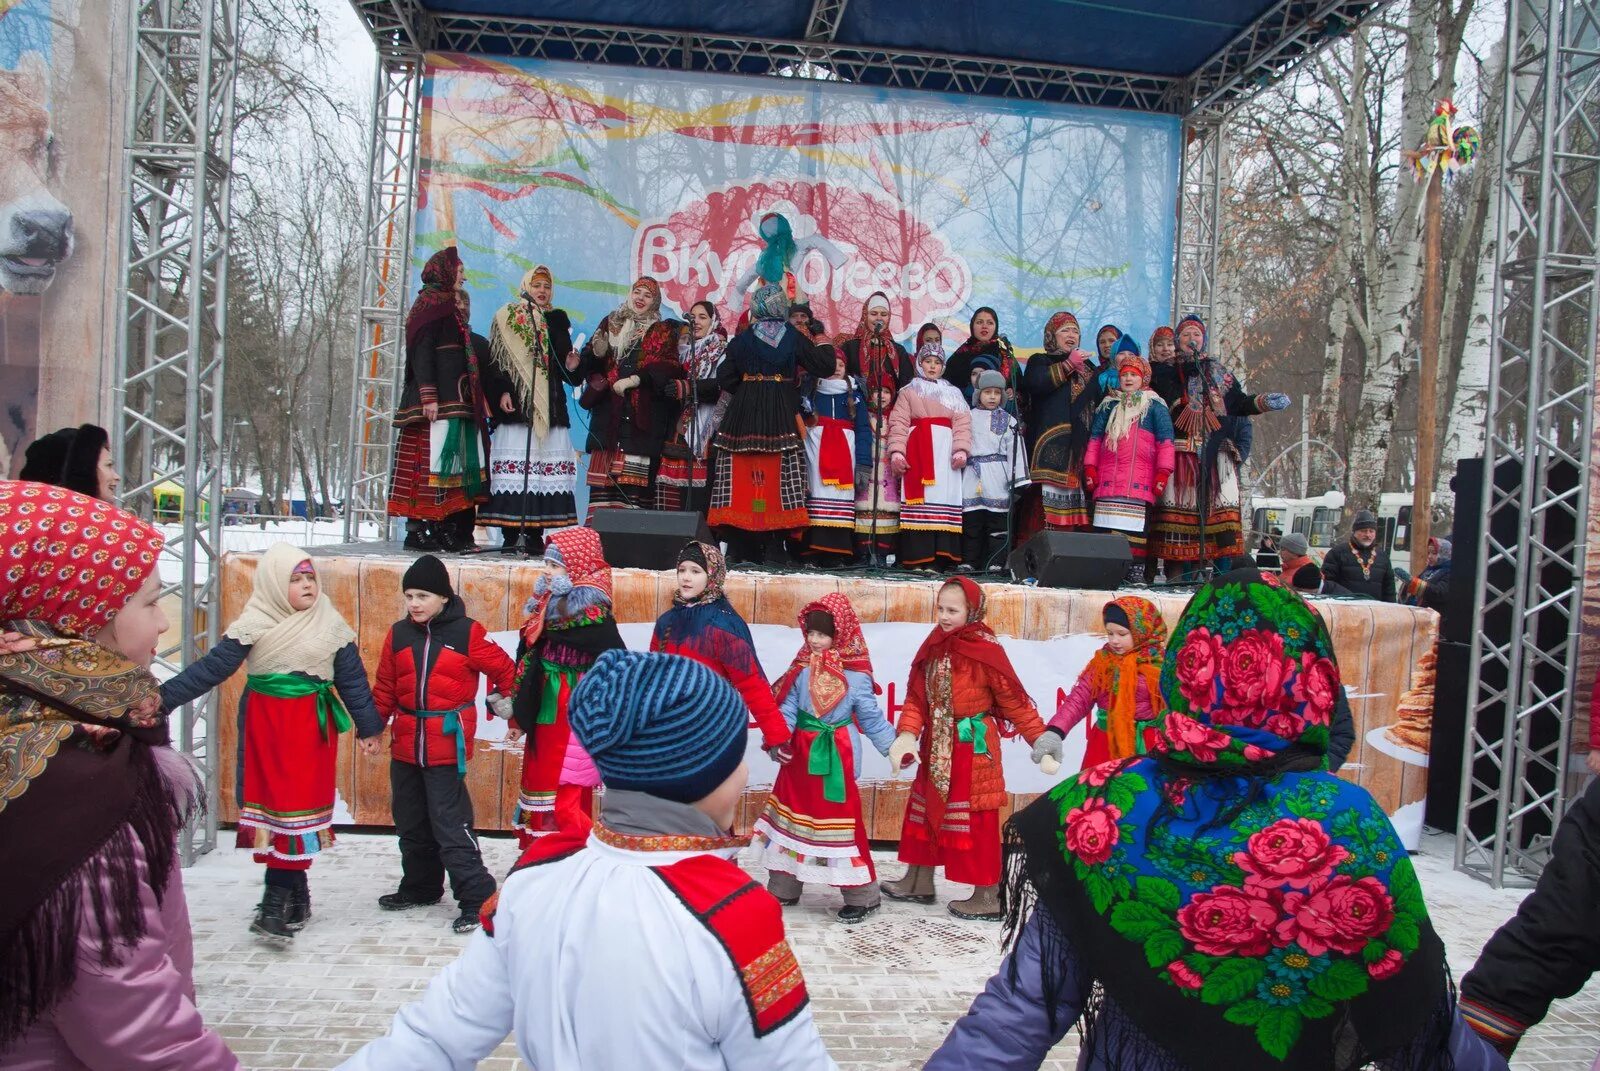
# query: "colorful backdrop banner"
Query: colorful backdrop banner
{"points": [[944, 202]]}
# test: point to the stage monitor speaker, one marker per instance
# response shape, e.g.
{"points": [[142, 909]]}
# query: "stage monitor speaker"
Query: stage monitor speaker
{"points": [[1096, 561], [647, 538]]}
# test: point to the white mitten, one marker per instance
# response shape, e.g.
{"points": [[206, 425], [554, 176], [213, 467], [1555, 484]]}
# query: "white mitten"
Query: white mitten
{"points": [[1049, 766], [904, 748]]}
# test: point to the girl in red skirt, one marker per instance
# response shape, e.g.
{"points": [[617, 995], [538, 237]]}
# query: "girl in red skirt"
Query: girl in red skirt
{"points": [[962, 688], [812, 828], [570, 623], [1121, 684], [300, 652]]}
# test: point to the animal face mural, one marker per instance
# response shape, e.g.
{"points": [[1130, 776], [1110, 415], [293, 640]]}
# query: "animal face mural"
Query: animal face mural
{"points": [[35, 226]]}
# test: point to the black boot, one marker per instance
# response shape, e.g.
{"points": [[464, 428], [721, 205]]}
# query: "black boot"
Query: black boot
{"points": [[513, 541], [418, 537], [299, 912], [272, 916]]}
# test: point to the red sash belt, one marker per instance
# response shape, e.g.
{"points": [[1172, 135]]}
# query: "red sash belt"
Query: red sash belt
{"points": [[920, 473], [835, 460]]}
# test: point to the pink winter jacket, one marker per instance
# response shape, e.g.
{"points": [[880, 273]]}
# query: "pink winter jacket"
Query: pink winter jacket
{"points": [[577, 768], [924, 398], [1077, 704], [137, 1016], [1132, 468]]}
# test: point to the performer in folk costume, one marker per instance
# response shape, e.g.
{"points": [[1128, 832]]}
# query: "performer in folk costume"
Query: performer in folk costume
{"points": [[427, 683], [1163, 351], [641, 944], [97, 954], [1063, 394], [1197, 518], [1222, 902], [760, 462], [299, 651], [962, 687], [1121, 687], [930, 440], [929, 332], [812, 828], [702, 624], [439, 470], [986, 348], [631, 366], [877, 487], [1107, 344], [570, 624], [1130, 456], [533, 472], [684, 482], [997, 468], [838, 446], [873, 352]]}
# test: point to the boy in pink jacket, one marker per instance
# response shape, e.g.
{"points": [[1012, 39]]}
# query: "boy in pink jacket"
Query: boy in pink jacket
{"points": [[1130, 455], [930, 439]]}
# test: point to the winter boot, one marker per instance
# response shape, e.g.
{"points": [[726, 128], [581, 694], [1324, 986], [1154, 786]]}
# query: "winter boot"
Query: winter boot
{"points": [[916, 887], [299, 911], [272, 916], [1135, 572], [983, 905]]}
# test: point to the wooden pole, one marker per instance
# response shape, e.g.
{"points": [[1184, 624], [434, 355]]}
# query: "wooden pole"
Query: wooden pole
{"points": [[1427, 375]]}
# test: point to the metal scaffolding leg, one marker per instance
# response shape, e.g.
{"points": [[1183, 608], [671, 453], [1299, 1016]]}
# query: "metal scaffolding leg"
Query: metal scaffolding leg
{"points": [[167, 423], [380, 358], [1515, 784], [1199, 216]]}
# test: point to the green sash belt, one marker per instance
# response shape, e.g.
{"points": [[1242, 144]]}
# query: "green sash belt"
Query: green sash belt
{"points": [[451, 727], [294, 686], [973, 731], [459, 456], [825, 761], [554, 676]]}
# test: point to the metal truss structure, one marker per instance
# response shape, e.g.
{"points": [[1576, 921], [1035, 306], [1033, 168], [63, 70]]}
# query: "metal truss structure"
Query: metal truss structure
{"points": [[167, 421], [1541, 392], [1199, 216]]}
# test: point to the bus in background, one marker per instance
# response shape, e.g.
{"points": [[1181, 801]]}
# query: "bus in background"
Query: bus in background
{"points": [[1322, 520]]}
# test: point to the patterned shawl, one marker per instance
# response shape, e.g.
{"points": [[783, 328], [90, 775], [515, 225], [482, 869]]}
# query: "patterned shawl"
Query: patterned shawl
{"points": [[519, 342], [849, 651], [1225, 894], [584, 591], [282, 639], [1118, 676], [769, 312], [436, 301], [876, 354]]}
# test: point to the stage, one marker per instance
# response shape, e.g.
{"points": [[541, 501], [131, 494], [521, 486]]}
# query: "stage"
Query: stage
{"points": [[1050, 634]]}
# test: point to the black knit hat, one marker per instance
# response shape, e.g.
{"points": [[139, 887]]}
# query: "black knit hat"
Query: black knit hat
{"points": [[428, 573], [1365, 518], [67, 458]]}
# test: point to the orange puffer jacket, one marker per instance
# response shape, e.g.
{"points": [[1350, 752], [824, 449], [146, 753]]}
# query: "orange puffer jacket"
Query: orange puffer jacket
{"points": [[974, 689]]}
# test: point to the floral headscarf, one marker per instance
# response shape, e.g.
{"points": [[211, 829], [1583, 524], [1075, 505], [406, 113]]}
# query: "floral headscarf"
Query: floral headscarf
{"points": [[584, 592], [1159, 333], [436, 301], [1118, 676], [709, 558], [769, 313], [1225, 894], [1054, 324], [849, 651]]}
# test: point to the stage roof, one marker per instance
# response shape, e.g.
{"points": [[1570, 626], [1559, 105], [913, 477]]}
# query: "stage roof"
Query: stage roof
{"points": [[1172, 56]]}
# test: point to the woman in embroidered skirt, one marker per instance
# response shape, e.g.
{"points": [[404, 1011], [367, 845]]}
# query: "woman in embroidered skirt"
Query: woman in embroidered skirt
{"points": [[838, 446], [930, 439], [439, 470], [962, 687], [1130, 456], [1197, 519], [760, 488], [631, 365], [300, 652], [570, 623], [812, 828], [1063, 393], [684, 482], [1222, 902], [533, 471]]}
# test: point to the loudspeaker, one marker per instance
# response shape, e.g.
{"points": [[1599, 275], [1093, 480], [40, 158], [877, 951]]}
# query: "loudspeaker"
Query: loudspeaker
{"points": [[647, 538], [1450, 706], [1096, 561]]}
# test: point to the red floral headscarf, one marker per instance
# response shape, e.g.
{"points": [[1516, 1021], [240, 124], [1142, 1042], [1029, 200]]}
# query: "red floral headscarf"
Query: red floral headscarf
{"points": [[69, 561], [849, 651]]}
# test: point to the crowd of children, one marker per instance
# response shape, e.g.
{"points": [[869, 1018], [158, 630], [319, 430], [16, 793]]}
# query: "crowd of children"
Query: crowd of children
{"points": [[840, 449]]}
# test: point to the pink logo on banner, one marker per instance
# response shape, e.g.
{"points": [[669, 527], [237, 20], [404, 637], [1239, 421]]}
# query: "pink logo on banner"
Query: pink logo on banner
{"points": [[850, 244]]}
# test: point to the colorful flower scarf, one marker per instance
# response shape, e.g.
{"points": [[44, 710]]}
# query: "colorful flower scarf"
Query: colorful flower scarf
{"points": [[519, 341], [849, 651], [876, 352], [1225, 894], [586, 588], [1118, 676], [769, 310]]}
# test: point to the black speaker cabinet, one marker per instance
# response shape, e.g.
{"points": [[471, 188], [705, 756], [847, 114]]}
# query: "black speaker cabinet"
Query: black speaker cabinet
{"points": [[1096, 561], [647, 538]]}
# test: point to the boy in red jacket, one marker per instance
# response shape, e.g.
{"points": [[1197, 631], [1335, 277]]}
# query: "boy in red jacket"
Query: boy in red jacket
{"points": [[428, 685]]}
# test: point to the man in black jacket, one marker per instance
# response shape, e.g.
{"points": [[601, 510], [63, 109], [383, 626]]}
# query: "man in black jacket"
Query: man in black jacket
{"points": [[1360, 565]]}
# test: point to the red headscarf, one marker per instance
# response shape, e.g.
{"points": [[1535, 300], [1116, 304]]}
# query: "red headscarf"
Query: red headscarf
{"points": [[849, 651], [1161, 332], [585, 560], [436, 301], [69, 561], [974, 640]]}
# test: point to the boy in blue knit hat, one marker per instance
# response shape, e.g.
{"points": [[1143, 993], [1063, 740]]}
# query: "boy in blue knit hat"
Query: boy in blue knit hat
{"points": [[640, 943]]}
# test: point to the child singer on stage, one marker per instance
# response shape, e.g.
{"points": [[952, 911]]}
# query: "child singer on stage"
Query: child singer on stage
{"points": [[812, 828], [997, 467], [1121, 684], [962, 686], [428, 684], [299, 651], [877, 486], [838, 444], [1130, 456], [930, 439], [570, 624]]}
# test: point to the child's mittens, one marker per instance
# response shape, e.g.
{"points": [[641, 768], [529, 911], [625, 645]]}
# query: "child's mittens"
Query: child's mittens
{"points": [[1160, 487], [1048, 746], [958, 460], [1278, 402], [897, 464], [1091, 476], [1049, 766], [903, 752], [501, 705]]}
